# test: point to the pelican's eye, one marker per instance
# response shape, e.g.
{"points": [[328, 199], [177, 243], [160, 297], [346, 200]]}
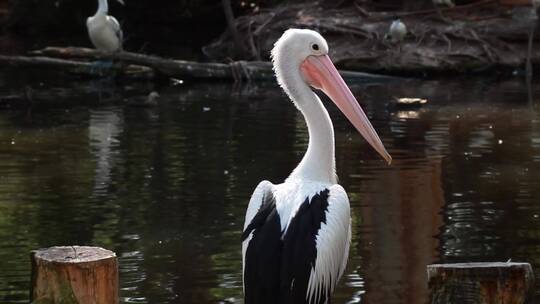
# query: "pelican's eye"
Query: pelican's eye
{"points": [[315, 47]]}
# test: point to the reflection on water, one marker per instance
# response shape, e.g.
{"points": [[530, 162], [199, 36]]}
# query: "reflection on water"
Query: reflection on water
{"points": [[166, 187], [105, 126]]}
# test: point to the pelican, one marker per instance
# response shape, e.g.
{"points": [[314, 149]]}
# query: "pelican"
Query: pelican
{"points": [[104, 30], [447, 3], [397, 31], [296, 236]]}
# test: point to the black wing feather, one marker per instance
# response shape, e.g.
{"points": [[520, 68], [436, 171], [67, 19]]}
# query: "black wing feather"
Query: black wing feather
{"points": [[277, 266], [299, 249], [263, 255]]}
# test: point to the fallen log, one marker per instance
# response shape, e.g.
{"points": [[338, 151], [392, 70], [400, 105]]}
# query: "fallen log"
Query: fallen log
{"points": [[76, 67], [79, 61], [165, 66]]}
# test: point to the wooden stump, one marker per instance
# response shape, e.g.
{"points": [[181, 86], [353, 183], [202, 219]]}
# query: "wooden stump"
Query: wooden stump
{"points": [[481, 283], [74, 274]]}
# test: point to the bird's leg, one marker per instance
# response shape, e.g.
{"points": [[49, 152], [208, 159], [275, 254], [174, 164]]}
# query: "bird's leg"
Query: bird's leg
{"points": [[386, 42], [236, 77], [100, 66]]}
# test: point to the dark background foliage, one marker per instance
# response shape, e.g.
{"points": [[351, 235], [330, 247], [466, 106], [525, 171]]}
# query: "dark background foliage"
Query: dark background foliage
{"points": [[164, 26]]}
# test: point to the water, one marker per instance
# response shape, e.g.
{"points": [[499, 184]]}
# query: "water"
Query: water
{"points": [[166, 187]]}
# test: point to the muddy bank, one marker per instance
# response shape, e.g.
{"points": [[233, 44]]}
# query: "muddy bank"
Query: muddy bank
{"points": [[473, 37]]}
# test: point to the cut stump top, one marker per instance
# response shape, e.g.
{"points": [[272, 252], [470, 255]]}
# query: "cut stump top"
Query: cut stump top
{"points": [[481, 265], [73, 254]]}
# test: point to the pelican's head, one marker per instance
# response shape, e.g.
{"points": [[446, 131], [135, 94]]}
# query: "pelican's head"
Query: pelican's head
{"points": [[297, 45], [302, 56]]}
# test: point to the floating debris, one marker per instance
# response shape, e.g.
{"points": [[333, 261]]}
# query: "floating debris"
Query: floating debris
{"points": [[407, 103], [176, 82]]}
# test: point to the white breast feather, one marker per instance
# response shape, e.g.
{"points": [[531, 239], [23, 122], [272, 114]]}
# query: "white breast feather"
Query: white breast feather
{"points": [[291, 195], [104, 33], [333, 241]]}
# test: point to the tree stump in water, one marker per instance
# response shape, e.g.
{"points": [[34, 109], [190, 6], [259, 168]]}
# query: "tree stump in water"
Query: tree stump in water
{"points": [[74, 274], [481, 283]]}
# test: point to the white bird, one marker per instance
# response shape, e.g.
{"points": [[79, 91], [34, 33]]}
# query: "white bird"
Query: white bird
{"points": [[104, 30], [295, 242], [536, 6], [447, 3], [397, 31]]}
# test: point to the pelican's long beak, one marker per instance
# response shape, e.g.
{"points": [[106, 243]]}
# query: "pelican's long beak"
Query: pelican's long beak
{"points": [[320, 72]]}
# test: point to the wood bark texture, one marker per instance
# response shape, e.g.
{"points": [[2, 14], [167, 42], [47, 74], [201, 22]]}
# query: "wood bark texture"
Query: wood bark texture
{"points": [[74, 274], [78, 61], [481, 283]]}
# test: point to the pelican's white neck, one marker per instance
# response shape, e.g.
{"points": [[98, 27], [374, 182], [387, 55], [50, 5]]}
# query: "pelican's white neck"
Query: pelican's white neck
{"points": [[103, 7], [318, 163]]}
